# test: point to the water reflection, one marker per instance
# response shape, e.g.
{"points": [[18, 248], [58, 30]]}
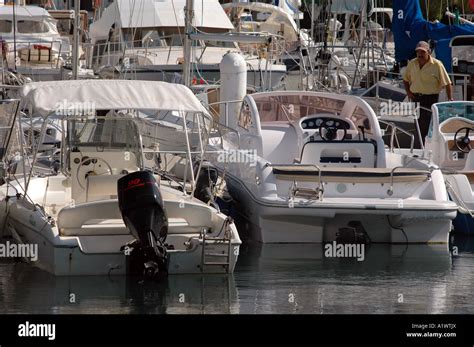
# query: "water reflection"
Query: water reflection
{"points": [[268, 279], [391, 279], [25, 289]]}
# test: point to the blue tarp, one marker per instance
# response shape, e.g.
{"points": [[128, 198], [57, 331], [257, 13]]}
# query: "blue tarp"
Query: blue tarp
{"points": [[409, 27], [443, 53]]}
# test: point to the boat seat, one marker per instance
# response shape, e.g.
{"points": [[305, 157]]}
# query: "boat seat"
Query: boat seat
{"points": [[469, 165], [469, 175], [100, 187], [339, 154], [461, 183], [104, 187], [104, 218], [345, 175]]}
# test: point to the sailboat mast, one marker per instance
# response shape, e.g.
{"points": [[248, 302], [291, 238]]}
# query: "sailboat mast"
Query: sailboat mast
{"points": [[75, 49], [14, 32], [188, 20]]}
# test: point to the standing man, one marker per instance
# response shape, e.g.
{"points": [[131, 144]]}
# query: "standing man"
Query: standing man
{"points": [[424, 78]]}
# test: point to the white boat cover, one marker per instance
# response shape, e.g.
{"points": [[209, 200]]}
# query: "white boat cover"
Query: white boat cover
{"points": [[24, 12], [47, 97], [158, 13]]}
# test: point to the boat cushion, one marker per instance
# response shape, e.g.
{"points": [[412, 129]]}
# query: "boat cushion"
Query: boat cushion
{"points": [[348, 175], [104, 218]]}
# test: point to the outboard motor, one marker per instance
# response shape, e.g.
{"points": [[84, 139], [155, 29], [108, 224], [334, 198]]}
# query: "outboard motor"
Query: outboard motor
{"points": [[143, 212]]}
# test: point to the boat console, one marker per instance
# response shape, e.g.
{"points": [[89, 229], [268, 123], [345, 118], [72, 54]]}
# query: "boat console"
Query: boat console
{"points": [[324, 127], [327, 139]]}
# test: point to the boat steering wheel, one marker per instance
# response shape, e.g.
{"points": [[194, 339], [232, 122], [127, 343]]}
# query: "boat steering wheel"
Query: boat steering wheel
{"points": [[464, 142], [86, 161], [331, 129]]}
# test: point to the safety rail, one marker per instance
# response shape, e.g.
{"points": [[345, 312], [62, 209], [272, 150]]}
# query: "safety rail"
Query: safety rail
{"points": [[294, 189], [229, 130], [462, 206], [216, 112], [212, 110], [111, 52], [57, 54], [392, 174], [393, 135]]}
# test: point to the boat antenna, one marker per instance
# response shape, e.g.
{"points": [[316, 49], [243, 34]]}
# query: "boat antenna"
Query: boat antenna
{"points": [[14, 33], [75, 50]]}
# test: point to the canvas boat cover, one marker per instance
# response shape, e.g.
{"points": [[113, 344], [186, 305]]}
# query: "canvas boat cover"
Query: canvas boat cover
{"points": [[47, 97]]}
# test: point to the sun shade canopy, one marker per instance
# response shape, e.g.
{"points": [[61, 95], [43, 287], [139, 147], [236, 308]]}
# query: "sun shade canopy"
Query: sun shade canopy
{"points": [[47, 97]]}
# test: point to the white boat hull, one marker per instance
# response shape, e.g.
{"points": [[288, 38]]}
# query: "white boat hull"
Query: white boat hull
{"points": [[101, 254], [320, 221]]}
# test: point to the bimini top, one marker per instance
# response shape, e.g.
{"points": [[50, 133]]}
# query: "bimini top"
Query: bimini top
{"points": [[47, 97]]}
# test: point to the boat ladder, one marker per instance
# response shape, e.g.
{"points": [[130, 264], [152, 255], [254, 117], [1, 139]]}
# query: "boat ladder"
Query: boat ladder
{"points": [[223, 258]]}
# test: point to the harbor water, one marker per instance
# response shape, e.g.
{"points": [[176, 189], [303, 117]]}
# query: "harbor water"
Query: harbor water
{"points": [[269, 279]]}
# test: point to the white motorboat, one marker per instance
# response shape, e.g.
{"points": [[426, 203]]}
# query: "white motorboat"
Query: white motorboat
{"points": [[32, 45], [312, 167], [76, 218], [450, 145], [279, 20], [144, 40]]}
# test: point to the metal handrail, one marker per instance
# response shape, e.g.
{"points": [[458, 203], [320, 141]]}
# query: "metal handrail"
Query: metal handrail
{"points": [[392, 174], [49, 44], [393, 134], [294, 189], [226, 103], [220, 125]]}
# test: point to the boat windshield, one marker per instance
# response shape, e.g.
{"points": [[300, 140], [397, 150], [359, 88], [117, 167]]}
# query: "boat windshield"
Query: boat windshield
{"points": [[24, 26], [455, 109], [274, 108], [32, 27], [451, 110], [6, 26], [104, 133]]}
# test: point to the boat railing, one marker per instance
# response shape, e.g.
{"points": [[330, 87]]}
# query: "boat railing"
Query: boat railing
{"points": [[214, 109], [109, 52], [215, 112], [462, 204], [295, 191], [392, 175], [269, 46], [125, 57], [272, 48], [467, 80], [393, 135], [26, 50], [222, 130]]}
